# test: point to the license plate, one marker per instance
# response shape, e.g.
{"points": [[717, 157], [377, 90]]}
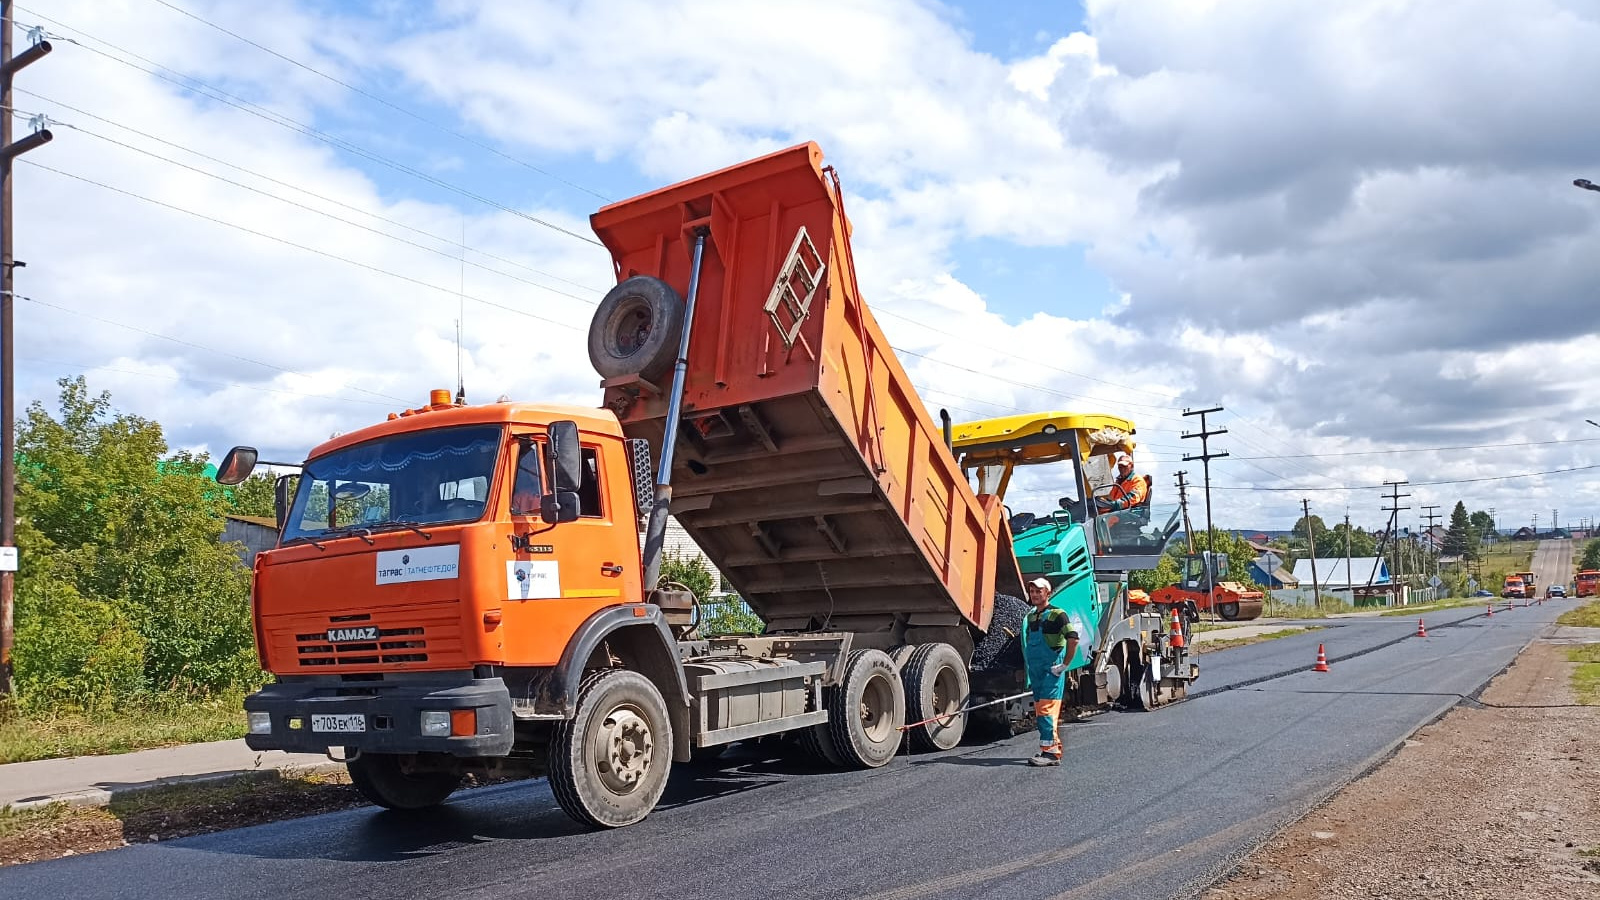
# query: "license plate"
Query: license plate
{"points": [[342, 723], [347, 635]]}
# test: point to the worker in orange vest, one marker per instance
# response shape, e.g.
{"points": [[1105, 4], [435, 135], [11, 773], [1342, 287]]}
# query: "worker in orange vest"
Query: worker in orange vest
{"points": [[1129, 491]]}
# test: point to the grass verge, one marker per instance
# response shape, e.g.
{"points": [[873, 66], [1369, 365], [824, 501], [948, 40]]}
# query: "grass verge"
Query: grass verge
{"points": [[1586, 616], [58, 734], [1586, 677], [1230, 643], [171, 812]]}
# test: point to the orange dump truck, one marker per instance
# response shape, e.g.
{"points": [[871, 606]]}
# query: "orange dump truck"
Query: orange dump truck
{"points": [[1587, 583], [463, 588]]}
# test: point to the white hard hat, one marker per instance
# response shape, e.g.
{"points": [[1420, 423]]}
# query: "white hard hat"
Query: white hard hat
{"points": [[1040, 582], [1122, 456]]}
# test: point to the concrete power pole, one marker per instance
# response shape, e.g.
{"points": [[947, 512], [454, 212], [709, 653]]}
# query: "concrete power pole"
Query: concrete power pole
{"points": [[9, 67]]}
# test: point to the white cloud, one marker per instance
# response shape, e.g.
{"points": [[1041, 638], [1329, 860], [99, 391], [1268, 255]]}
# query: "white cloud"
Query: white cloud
{"points": [[1349, 223]]}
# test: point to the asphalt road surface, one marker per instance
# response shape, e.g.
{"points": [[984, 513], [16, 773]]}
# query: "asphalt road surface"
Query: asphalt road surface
{"points": [[1148, 805], [1552, 564]]}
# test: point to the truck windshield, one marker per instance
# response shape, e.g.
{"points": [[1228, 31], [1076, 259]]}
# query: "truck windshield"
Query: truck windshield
{"points": [[425, 478]]}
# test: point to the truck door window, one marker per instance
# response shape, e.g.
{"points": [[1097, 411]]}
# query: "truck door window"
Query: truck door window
{"points": [[529, 484], [589, 487]]}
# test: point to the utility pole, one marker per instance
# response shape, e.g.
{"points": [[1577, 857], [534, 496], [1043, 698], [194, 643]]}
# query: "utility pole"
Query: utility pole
{"points": [[1205, 458], [1536, 526], [1183, 503], [1348, 562], [1394, 509], [1555, 521], [1311, 541], [9, 67], [1432, 545]]}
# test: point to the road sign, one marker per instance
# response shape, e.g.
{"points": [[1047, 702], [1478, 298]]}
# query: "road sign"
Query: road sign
{"points": [[8, 559], [1270, 561], [1472, 584], [1435, 581]]}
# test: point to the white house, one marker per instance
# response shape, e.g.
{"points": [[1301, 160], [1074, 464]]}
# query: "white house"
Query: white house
{"points": [[1333, 575]]}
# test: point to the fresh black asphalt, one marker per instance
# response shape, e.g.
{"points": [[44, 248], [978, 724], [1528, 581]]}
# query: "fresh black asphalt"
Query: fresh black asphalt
{"points": [[1147, 805]]}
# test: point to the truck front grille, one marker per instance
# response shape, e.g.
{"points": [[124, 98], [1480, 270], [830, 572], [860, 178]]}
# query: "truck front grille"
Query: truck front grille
{"points": [[394, 645]]}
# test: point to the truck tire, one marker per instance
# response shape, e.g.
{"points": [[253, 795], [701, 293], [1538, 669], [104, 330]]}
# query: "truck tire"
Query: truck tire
{"points": [[635, 330], [382, 778], [936, 684], [817, 741], [609, 762], [866, 710]]}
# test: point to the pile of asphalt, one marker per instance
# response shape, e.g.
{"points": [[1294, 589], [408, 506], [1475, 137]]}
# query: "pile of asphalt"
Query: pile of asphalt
{"points": [[1001, 648]]}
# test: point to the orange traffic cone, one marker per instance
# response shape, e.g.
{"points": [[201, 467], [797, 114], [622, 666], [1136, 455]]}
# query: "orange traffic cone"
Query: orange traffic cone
{"points": [[1322, 661], [1490, 613], [1421, 630], [1177, 630]]}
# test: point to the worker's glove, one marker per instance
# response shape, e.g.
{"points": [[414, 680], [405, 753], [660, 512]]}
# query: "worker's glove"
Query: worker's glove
{"points": [[1058, 668]]}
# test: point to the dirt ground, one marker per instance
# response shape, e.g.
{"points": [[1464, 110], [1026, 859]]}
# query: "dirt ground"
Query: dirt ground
{"points": [[1497, 803]]}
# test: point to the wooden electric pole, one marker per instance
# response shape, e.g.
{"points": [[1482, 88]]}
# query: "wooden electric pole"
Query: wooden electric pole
{"points": [[9, 67]]}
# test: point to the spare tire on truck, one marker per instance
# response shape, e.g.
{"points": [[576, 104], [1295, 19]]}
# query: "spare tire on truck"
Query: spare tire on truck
{"points": [[636, 329]]}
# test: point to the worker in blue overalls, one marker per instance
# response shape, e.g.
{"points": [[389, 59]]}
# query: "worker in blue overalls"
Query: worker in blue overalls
{"points": [[1048, 645]]}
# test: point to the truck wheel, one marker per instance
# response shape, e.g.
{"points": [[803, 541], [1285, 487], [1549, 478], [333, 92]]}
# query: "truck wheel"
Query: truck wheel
{"points": [[1229, 611], [609, 763], [867, 709], [382, 778], [936, 684], [635, 330]]}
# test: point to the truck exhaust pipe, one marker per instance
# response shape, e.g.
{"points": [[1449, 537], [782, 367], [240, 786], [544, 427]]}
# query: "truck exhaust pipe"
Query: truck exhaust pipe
{"points": [[656, 532], [949, 439]]}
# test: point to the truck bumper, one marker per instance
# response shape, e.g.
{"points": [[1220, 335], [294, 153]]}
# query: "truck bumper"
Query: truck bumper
{"points": [[303, 710]]}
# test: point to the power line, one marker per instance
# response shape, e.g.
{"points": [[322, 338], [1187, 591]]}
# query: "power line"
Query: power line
{"points": [[288, 243], [186, 379], [1036, 387], [311, 209], [1426, 449], [376, 99], [1373, 487], [197, 346], [200, 87], [291, 186], [968, 341]]}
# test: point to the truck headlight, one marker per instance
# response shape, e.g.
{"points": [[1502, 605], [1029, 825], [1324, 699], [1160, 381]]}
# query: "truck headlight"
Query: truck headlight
{"points": [[260, 722], [436, 723]]}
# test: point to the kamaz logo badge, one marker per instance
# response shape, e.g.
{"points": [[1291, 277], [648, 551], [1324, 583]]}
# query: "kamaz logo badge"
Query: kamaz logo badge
{"points": [[346, 635]]}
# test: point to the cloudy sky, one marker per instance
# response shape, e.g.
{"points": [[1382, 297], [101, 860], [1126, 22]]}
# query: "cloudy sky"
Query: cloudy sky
{"points": [[1350, 224]]}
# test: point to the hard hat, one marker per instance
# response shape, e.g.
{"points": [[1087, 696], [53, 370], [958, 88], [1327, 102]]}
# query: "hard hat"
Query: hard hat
{"points": [[1123, 456], [1040, 582]]}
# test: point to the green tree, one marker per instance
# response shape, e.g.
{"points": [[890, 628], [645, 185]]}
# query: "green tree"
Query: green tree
{"points": [[130, 551], [1318, 528], [689, 571], [1591, 555], [1482, 524], [254, 496], [1362, 543], [1458, 540]]}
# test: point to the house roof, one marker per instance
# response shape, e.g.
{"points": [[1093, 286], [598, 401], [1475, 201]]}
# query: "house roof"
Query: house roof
{"points": [[263, 521], [1332, 571]]}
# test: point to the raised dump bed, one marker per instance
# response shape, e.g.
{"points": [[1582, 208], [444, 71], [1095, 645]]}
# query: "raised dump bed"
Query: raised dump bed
{"points": [[806, 468]]}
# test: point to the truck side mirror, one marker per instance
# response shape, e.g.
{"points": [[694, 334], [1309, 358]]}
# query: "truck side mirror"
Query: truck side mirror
{"points": [[280, 499], [237, 465], [566, 458], [561, 506]]}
